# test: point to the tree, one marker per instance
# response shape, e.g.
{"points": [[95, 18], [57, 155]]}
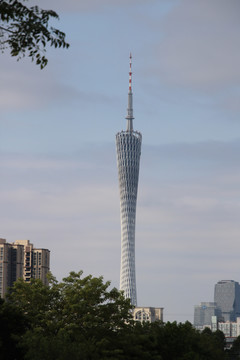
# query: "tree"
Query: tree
{"points": [[76, 318], [26, 30], [175, 341], [234, 352], [13, 326]]}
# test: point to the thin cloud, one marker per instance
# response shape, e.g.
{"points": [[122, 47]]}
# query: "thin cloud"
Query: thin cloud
{"points": [[23, 87], [199, 45], [90, 5]]}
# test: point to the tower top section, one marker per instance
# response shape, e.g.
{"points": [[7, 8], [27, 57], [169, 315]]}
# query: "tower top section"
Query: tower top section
{"points": [[129, 116]]}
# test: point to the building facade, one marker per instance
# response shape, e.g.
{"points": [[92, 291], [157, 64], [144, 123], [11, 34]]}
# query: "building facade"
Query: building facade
{"points": [[230, 329], [21, 260], [204, 312], [11, 265], [147, 314], [36, 262], [128, 145], [227, 299]]}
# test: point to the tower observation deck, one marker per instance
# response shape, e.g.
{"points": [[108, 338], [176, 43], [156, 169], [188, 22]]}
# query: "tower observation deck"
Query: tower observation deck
{"points": [[128, 145]]}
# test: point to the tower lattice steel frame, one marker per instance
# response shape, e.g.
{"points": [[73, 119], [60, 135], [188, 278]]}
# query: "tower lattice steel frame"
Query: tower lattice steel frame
{"points": [[128, 145]]}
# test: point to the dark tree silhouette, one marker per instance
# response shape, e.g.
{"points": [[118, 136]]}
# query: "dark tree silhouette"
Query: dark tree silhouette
{"points": [[26, 31]]}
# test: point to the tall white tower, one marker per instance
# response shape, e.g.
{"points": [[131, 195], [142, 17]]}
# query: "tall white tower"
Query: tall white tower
{"points": [[128, 159]]}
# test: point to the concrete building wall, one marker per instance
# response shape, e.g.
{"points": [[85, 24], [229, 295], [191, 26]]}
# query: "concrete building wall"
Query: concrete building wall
{"points": [[148, 314], [41, 264], [27, 266], [229, 328]]}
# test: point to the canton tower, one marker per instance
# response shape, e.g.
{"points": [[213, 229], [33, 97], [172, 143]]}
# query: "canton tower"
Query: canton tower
{"points": [[128, 145]]}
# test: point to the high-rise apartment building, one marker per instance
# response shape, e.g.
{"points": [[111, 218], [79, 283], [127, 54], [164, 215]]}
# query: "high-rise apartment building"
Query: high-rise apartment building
{"points": [[227, 298], [11, 265], [128, 144], [21, 260], [36, 261]]}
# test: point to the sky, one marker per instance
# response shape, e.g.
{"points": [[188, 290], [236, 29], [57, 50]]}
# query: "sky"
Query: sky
{"points": [[59, 181]]}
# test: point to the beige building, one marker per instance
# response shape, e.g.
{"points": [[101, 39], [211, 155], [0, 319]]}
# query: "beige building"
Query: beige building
{"points": [[36, 261], [21, 260], [149, 314]]}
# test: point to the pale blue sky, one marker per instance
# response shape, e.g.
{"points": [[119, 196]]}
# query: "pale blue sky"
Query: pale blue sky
{"points": [[59, 184]]}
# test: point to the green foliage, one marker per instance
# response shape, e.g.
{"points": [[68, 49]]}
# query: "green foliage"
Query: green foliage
{"points": [[13, 326], [81, 318], [170, 341], [183, 342], [234, 352], [77, 318], [26, 30]]}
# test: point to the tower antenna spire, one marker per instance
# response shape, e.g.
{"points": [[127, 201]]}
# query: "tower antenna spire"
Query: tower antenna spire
{"points": [[129, 116], [130, 73]]}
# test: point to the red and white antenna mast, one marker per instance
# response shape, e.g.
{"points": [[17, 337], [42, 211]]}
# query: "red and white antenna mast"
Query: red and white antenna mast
{"points": [[130, 73], [129, 116]]}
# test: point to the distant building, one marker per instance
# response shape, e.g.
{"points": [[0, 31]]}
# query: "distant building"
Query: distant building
{"points": [[204, 312], [148, 314], [214, 324], [11, 264], [227, 298], [21, 260], [231, 329], [36, 262]]}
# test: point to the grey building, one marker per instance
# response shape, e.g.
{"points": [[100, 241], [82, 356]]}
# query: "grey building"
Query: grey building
{"points": [[227, 298], [128, 144], [11, 264], [204, 312]]}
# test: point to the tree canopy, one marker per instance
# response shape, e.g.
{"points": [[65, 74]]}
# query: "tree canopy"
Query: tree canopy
{"points": [[82, 318], [26, 31], [13, 326], [78, 318]]}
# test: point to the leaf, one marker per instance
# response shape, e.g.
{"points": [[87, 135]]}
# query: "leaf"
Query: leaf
{"points": [[24, 28]]}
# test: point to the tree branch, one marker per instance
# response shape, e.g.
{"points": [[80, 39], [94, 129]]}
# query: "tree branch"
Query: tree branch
{"points": [[2, 28]]}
